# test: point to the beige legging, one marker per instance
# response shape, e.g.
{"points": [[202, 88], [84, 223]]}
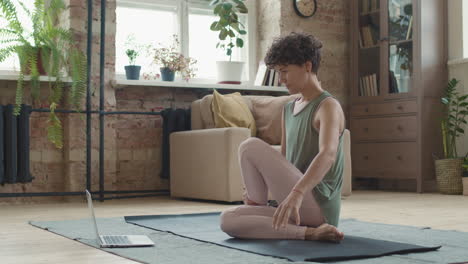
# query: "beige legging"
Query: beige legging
{"points": [[263, 168]]}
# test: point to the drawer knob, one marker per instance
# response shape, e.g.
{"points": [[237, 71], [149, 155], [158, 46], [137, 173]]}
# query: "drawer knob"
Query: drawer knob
{"points": [[366, 157], [400, 107], [366, 129], [399, 127], [366, 109], [399, 157]]}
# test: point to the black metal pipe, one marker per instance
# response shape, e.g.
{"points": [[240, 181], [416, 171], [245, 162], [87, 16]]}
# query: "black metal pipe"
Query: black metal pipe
{"points": [[39, 194], [136, 191], [89, 47], [101, 100], [31, 194], [131, 113], [133, 196], [95, 112]]}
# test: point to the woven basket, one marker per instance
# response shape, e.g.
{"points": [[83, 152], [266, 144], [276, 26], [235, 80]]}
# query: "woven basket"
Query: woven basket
{"points": [[449, 175], [465, 185]]}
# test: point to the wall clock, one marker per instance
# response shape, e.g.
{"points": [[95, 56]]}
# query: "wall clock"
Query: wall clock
{"points": [[305, 8]]}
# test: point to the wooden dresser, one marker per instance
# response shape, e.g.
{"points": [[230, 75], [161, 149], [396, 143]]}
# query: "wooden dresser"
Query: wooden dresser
{"points": [[397, 77]]}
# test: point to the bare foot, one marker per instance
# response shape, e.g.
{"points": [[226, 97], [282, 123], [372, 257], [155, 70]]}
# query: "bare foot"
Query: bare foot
{"points": [[324, 232]]}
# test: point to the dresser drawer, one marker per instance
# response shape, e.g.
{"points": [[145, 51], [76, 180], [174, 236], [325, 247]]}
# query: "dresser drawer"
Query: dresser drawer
{"points": [[403, 107], [385, 160], [384, 128]]}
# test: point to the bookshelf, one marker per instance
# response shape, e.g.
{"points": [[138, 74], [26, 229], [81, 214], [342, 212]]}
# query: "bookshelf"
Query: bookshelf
{"points": [[398, 71]]}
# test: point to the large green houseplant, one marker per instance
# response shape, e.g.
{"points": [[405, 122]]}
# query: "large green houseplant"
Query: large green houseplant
{"points": [[46, 49], [449, 169], [230, 31]]}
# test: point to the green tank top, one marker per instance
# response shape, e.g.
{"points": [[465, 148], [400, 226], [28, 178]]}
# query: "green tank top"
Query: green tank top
{"points": [[302, 145]]}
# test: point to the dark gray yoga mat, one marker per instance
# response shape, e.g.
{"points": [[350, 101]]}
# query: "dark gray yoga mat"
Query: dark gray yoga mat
{"points": [[205, 227]]}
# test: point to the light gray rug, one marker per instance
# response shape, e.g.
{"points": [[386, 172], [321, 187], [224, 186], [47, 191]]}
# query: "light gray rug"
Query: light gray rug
{"points": [[172, 248]]}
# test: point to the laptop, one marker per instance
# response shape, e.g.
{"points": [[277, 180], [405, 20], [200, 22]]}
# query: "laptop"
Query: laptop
{"points": [[109, 241]]}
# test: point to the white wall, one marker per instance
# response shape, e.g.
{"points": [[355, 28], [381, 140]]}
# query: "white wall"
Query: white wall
{"points": [[458, 50]]}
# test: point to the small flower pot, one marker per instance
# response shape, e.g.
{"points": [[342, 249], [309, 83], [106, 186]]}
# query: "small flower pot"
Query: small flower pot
{"points": [[167, 74], [132, 72]]}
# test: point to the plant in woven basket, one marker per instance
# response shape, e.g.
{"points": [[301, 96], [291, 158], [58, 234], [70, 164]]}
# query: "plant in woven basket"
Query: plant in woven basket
{"points": [[47, 50], [465, 166], [453, 119], [449, 169]]}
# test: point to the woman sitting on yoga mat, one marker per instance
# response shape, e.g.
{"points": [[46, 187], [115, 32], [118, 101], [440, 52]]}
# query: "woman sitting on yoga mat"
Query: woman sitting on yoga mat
{"points": [[306, 177]]}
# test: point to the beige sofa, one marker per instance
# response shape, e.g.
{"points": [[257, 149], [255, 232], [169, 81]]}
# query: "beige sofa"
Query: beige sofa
{"points": [[204, 162]]}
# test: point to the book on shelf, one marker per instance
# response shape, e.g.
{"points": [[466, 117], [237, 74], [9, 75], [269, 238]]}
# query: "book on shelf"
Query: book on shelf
{"points": [[375, 85], [373, 5], [259, 79], [367, 36], [361, 43], [369, 6], [266, 77], [271, 78], [410, 27], [368, 85], [365, 6], [276, 79]]}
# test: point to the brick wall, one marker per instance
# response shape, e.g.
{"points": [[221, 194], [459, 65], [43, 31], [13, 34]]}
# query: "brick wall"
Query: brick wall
{"points": [[133, 142], [330, 24]]}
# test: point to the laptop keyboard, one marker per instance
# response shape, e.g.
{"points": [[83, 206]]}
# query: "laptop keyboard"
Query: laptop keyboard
{"points": [[116, 240]]}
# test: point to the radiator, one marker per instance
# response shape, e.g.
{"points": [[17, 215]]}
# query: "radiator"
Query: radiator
{"points": [[14, 145]]}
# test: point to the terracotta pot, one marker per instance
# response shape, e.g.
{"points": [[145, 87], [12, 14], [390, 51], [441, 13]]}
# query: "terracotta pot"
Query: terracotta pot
{"points": [[40, 68]]}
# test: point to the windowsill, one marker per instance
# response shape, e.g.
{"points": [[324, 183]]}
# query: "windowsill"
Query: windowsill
{"points": [[457, 61], [191, 85], [14, 76]]}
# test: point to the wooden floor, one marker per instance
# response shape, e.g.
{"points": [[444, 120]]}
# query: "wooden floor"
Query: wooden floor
{"points": [[17, 236]]}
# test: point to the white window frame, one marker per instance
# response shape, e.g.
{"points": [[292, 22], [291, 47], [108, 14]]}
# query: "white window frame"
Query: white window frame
{"points": [[182, 7]]}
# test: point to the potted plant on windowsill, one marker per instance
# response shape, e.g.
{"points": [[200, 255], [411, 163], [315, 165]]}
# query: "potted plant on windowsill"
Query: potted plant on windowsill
{"points": [[48, 49], [172, 61], [449, 170], [132, 71], [229, 25]]}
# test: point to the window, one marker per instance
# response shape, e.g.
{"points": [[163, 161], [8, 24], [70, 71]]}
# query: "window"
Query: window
{"points": [[465, 28], [12, 62], [148, 24], [202, 42], [191, 20]]}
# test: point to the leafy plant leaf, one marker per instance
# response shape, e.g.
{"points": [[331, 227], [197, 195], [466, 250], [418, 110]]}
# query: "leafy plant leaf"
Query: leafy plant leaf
{"points": [[239, 42]]}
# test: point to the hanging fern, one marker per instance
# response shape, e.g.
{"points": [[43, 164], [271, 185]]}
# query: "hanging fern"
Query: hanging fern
{"points": [[54, 130], [53, 47]]}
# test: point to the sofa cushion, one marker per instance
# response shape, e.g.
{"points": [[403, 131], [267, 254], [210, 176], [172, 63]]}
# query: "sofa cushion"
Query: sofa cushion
{"points": [[206, 114], [267, 112], [230, 110]]}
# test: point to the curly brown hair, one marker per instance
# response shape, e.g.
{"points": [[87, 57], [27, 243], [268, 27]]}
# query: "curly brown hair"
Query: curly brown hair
{"points": [[295, 48]]}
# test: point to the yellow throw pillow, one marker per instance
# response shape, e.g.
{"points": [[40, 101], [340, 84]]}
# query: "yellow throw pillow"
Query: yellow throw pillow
{"points": [[230, 110]]}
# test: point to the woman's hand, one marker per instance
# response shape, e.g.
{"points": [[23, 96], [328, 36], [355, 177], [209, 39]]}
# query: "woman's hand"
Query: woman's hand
{"points": [[290, 206]]}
